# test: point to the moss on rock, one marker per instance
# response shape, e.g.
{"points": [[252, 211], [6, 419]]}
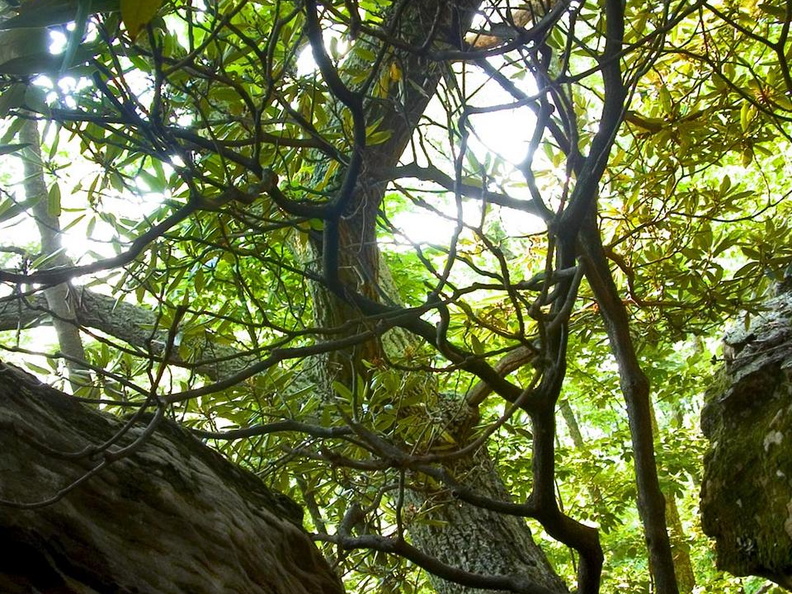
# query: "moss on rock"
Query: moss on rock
{"points": [[746, 497]]}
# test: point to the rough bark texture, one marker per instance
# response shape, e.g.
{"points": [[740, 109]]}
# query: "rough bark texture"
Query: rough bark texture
{"points": [[746, 495], [477, 539], [134, 325], [173, 516]]}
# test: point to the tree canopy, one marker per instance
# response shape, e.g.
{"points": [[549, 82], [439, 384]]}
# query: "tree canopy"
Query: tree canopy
{"points": [[451, 274]]}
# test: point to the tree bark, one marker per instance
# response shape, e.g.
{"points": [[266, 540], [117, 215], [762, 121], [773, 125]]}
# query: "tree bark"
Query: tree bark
{"points": [[580, 443], [682, 562], [166, 515], [60, 298], [136, 326], [475, 538], [676, 532], [635, 388], [502, 544], [348, 257]]}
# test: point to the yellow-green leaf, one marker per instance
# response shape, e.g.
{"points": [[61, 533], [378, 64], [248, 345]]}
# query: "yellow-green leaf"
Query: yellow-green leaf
{"points": [[54, 201], [747, 156], [747, 112], [136, 14]]}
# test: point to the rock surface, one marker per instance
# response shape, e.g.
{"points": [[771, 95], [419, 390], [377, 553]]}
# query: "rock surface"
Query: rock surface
{"points": [[171, 517], [746, 497]]}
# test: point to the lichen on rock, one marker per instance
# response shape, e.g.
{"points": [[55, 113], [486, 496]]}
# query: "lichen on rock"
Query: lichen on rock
{"points": [[746, 496]]}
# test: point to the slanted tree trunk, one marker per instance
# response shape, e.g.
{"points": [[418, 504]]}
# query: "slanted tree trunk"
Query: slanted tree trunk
{"points": [[466, 537], [134, 325], [155, 512]]}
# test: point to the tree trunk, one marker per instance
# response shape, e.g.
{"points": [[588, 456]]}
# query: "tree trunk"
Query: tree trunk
{"points": [[477, 539], [134, 325], [681, 550], [682, 561], [60, 298], [471, 538], [636, 391], [580, 443], [155, 512], [683, 565], [502, 544]]}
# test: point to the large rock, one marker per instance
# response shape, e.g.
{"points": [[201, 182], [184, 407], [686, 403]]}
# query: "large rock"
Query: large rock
{"points": [[746, 497], [172, 517]]}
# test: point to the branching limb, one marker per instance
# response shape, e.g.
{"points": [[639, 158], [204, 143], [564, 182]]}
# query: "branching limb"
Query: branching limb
{"points": [[399, 546], [635, 387]]}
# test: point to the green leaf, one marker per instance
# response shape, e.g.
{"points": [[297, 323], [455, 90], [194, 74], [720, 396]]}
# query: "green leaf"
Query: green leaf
{"points": [[725, 185], [342, 391], [23, 44], [54, 200], [136, 14], [45, 13], [9, 209], [37, 368], [775, 11], [6, 149], [747, 112], [665, 100], [478, 346], [36, 100], [12, 98], [41, 261]]}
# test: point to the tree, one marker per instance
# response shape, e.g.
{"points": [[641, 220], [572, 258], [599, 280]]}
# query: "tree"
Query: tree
{"points": [[253, 179]]}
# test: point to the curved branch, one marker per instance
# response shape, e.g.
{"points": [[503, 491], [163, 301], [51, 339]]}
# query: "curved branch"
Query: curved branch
{"points": [[635, 387], [399, 546], [55, 276]]}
